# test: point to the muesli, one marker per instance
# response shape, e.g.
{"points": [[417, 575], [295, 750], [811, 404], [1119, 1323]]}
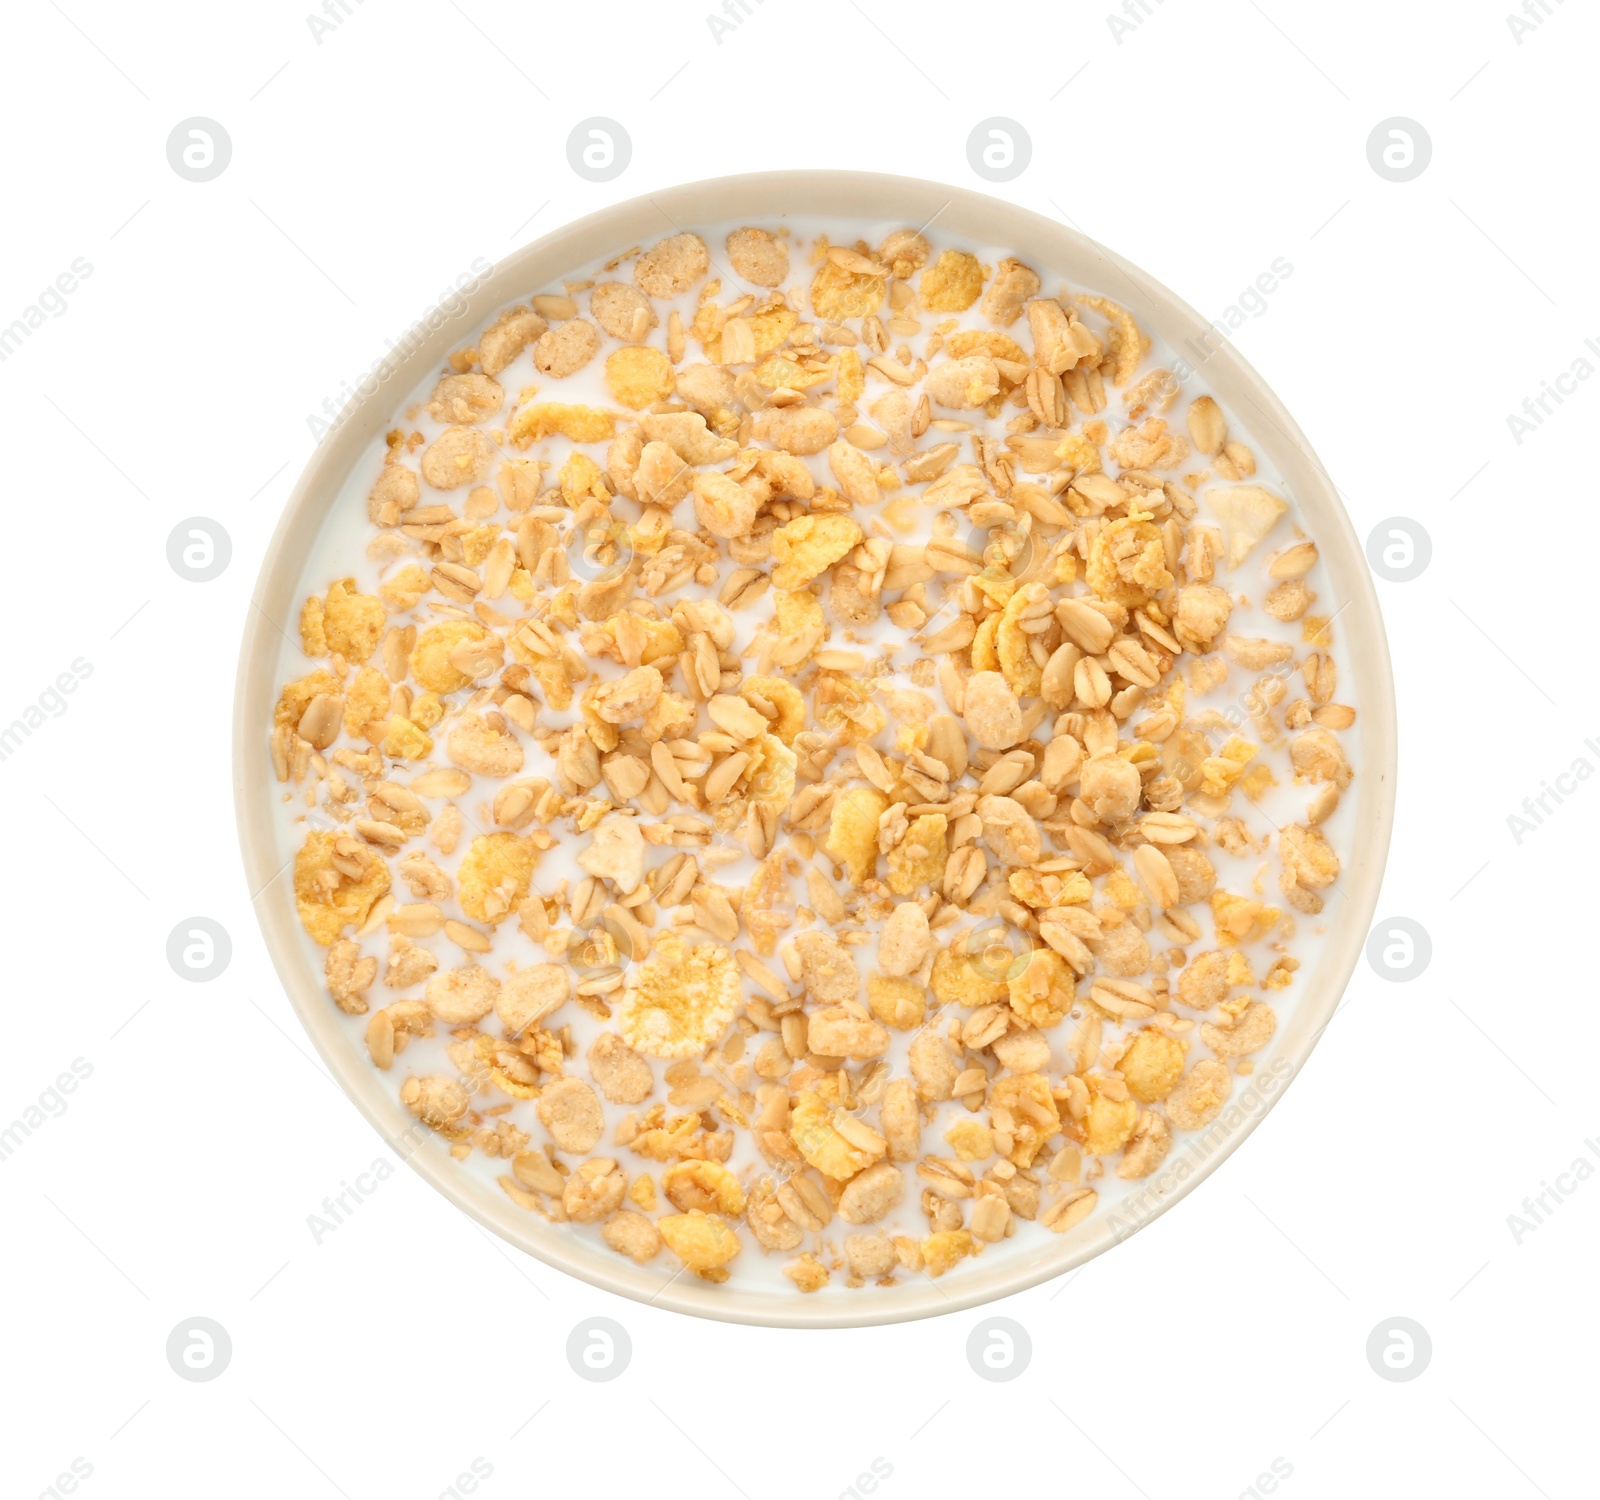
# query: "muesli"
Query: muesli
{"points": [[824, 759]]}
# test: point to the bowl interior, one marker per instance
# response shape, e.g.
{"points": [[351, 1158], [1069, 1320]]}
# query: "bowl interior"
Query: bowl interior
{"points": [[965, 216]]}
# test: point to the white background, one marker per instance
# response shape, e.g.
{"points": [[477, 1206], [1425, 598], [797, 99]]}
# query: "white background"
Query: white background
{"points": [[368, 171]]}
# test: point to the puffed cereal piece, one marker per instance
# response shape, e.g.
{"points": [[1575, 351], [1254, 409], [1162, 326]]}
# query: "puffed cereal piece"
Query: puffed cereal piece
{"points": [[352, 622], [760, 258], [622, 310], [458, 456], [507, 337], [1128, 561], [809, 545], [566, 348], [680, 1000], [462, 995], [494, 875], [570, 1110], [1199, 1098], [799, 430], [853, 831], [633, 1235], [1109, 1122], [701, 1241], [467, 399], [477, 746], [329, 897], [530, 995], [403, 589], [638, 375], [672, 265]]}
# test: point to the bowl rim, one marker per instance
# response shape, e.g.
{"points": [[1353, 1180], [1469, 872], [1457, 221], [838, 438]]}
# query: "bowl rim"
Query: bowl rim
{"points": [[761, 197]]}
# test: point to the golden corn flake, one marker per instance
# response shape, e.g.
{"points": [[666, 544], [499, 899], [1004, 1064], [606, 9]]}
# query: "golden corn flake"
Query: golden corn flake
{"points": [[704, 1186], [1042, 992], [900, 1003], [494, 875], [784, 696], [327, 895], [426, 710], [353, 622], [809, 545], [405, 740], [1240, 919], [837, 294], [367, 702], [952, 283], [430, 657], [313, 637], [1152, 1065], [1109, 1122], [778, 370], [971, 1139], [985, 657], [680, 999], [404, 589], [962, 978], [701, 1241], [296, 696], [985, 341], [769, 779], [1023, 1107], [580, 479], [1036, 889], [1220, 771], [578, 424], [638, 375], [853, 831], [942, 1250], [1128, 561], [800, 625], [812, 1131], [852, 376], [1012, 647], [919, 859]]}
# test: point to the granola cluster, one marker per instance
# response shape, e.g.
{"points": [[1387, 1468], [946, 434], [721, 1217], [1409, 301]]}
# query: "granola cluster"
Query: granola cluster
{"points": [[796, 766]]}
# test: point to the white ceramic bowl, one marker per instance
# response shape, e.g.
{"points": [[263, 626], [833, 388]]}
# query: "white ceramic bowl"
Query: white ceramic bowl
{"points": [[966, 217]]}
